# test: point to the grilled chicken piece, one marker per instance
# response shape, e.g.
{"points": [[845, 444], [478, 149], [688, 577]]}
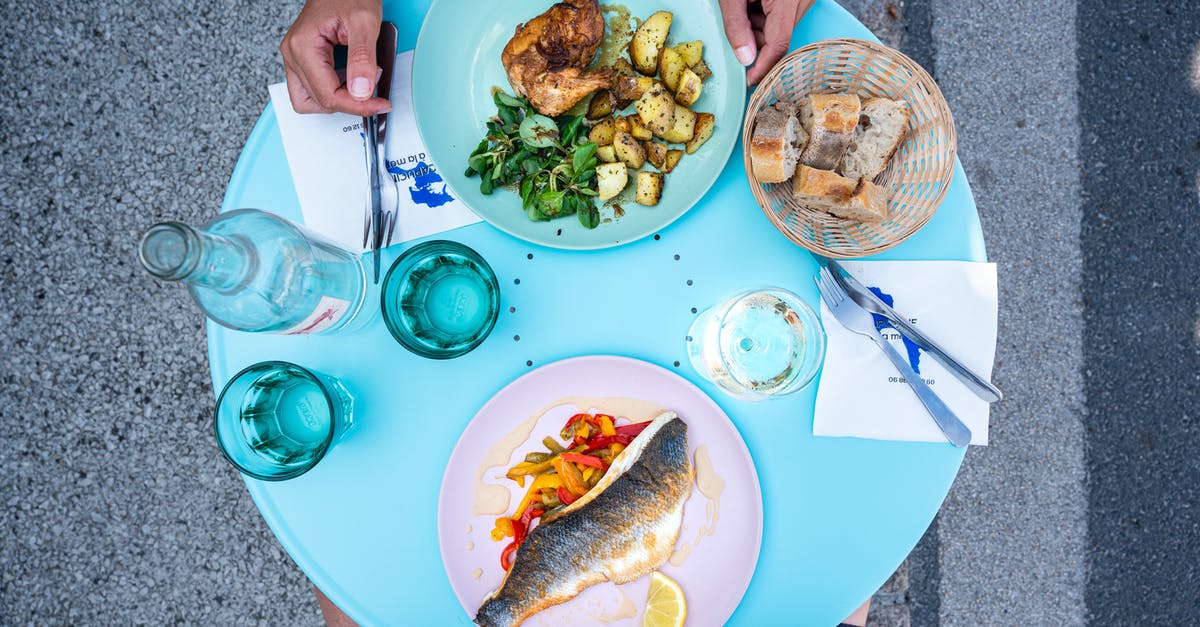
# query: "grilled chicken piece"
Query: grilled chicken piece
{"points": [[623, 528], [547, 58]]}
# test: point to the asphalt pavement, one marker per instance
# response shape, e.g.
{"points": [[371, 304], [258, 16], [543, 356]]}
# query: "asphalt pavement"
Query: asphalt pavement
{"points": [[1077, 128]]}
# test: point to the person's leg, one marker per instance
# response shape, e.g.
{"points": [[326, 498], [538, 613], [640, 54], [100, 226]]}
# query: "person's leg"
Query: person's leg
{"points": [[334, 617], [859, 617]]}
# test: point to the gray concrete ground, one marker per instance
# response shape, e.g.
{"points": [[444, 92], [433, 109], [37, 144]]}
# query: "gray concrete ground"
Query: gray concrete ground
{"points": [[118, 509]]}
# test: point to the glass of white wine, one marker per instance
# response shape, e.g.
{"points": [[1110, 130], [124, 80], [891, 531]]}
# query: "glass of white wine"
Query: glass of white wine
{"points": [[758, 344]]}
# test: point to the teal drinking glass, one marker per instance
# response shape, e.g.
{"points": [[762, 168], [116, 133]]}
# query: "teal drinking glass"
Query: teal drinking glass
{"points": [[276, 420], [440, 299]]}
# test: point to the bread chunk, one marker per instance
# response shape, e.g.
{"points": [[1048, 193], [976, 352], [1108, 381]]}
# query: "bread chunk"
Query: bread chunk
{"points": [[823, 190], [776, 142], [829, 120], [881, 128]]}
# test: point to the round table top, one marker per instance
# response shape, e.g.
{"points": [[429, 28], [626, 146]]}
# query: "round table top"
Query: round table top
{"points": [[839, 514]]}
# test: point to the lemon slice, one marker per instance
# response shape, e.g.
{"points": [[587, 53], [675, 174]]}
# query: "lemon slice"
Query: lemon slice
{"points": [[665, 606]]}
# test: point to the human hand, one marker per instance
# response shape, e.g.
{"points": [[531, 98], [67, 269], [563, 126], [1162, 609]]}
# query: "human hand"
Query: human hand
{"points": [[760, 31], [307, 50]]}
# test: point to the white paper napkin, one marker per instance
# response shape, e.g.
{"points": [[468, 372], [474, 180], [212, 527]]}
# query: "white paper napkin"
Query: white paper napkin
{"points": [[861, 393], [325, 154]]}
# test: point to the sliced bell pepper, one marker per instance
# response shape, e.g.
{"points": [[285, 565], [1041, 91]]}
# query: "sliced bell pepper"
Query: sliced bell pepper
{"points": [[571, 479], [606, 424], [602, 441], [503, 529], [535, 490], [566, 497], [506, 555], [585, 460], [633, 429]]}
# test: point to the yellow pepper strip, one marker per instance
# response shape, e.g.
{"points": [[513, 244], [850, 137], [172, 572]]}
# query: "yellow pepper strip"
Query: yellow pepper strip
{"points": [[535, 491], [588, 471], [571, 479], [606, 426], [616, 449], [503, 528]]}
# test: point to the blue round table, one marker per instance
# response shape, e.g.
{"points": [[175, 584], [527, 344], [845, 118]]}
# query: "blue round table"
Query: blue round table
{"points": [[840, 514]]}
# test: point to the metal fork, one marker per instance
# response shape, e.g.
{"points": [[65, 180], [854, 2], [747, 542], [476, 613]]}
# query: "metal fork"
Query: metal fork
{"points": [[856, 319]]}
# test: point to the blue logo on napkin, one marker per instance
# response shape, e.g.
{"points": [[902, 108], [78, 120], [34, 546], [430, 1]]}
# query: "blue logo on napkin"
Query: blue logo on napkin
{"points": [[881, 323], [421, 180]]}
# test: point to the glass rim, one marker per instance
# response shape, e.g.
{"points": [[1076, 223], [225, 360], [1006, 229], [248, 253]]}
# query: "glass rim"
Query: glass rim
{"points": [[805, 310], [403, 264], [299, 470]]}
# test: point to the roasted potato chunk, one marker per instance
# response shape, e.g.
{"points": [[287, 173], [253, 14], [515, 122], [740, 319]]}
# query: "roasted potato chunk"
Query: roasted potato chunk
{"points": [[701, 70], [623, 67], [703, 130], [670, 67], [611, 179], [606, 154], [656, 108], [603, 132], [601, 105], [673, 157], [621, 123], [637, 129], [629, 150], [648, 40], [649, 188], [688, 91], [656, 153], [692, 52], [683, 126], [630, 88]]}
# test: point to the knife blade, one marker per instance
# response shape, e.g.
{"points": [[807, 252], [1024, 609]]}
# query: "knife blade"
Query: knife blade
{"points": [[375, 141], [872, 303]]}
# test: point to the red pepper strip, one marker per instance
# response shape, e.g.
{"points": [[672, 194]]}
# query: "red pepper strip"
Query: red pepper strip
{"points": [[632, 429], [573, 419], [603, 441], [527, 519], [586, 460], [506, 555], [565, 496]]}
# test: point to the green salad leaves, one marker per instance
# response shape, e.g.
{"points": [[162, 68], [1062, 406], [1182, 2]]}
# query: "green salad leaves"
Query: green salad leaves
{"points": [[550, 162]]}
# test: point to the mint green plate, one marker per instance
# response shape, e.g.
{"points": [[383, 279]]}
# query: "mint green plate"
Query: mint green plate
{"points": [[457, 62]]}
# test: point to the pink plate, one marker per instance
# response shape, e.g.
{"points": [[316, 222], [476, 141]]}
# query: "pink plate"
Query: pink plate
{"points": [[720, 538]]}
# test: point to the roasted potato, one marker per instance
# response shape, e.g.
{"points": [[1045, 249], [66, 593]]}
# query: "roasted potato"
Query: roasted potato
{"points": [[673, 157], [670, 66], [621, 123], [656, 108], [602, 133], [601, 105], [623, 67], [688, 91], [637, 129], [683, 126], [703, 130], [701, 70], [629, 150], [649, 188], [611, 179], [630, 88], [656, 153], [692, 52], [606, 154], [648, 40]]}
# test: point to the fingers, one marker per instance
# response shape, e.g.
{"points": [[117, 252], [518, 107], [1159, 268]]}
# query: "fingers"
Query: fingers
{"points": [[363, 27], [738, 30], [302, 101], [777, 37]]}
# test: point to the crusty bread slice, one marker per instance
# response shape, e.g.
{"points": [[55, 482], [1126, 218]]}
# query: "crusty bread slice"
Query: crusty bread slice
{"points": [[829, 120], [822, 190], [775, 145], [881, 127]]}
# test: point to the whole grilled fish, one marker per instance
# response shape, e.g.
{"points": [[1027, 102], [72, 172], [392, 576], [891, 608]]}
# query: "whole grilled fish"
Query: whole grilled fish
{"points": [[623, 528]]}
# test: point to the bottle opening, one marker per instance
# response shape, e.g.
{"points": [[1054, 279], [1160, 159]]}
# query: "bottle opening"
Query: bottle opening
{"points": [[167, 251]]}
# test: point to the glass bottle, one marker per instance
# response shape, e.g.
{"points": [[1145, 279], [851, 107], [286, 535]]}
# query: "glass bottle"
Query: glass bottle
{"points": [[250, 270]]}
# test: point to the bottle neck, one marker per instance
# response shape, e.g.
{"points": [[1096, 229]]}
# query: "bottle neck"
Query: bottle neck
{"points": [[177, 252]]}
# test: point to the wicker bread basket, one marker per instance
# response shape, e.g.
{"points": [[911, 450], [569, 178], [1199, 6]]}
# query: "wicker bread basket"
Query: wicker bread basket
{"points": [[918, 174]]}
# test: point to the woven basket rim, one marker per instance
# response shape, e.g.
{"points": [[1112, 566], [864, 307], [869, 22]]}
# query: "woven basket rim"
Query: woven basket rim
{"points": [[766, 91]]}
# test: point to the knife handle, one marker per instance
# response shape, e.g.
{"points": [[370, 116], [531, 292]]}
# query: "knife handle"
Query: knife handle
{"points": [[950, 424], [980, 386]]}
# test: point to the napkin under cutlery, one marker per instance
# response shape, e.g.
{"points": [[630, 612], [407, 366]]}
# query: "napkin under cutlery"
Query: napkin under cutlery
{"points": [[861, 394], [325, 155]]}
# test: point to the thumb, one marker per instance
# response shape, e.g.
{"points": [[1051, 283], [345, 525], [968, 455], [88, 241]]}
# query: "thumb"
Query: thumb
{"points": [[738, 31], [361, 69]]}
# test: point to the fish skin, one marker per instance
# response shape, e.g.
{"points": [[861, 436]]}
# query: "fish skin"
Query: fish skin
{"points": [[626, 531]]}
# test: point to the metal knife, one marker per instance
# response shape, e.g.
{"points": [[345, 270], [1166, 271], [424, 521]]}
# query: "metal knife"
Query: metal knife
{"points": [[375, 136], [872, 303]]}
